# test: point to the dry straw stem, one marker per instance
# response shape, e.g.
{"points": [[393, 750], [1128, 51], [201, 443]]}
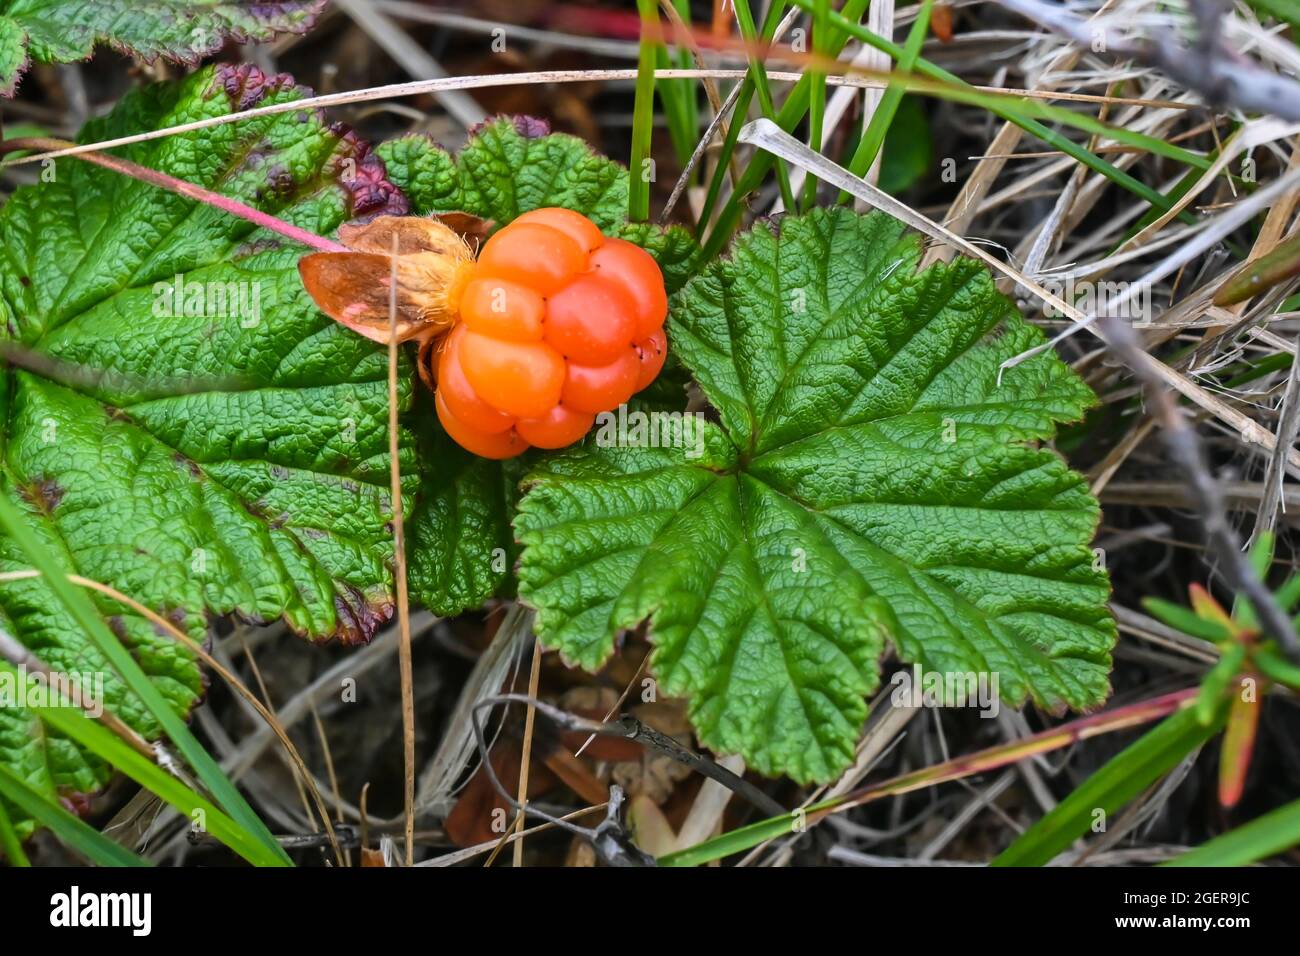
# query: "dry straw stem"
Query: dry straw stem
{"points": [[885, 730], [860, 78], [412, 57], [525, 759], [973, 191], [1180, 438], [399, 570]]}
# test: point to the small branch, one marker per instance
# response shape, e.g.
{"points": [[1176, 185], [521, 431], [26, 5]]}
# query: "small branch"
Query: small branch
{"points": [[1220, 75], [630, 728], [609, 839], [1184, 447]]}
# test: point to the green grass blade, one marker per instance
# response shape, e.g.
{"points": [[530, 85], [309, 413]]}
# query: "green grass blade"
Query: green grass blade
{"points": [[678, 96], [1288, 11], [873, 138], [1126, 775], [739, 840], [84, 613], [758, 72], [9, 845], [108, 746], [75, 834], [1023, 112], [853, 9], [1262, 837], [817, 99], [643, 115]]}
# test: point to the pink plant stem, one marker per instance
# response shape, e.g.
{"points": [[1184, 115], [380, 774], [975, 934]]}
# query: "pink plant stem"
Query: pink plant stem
{"points": [[993, 758], [182, 188]]}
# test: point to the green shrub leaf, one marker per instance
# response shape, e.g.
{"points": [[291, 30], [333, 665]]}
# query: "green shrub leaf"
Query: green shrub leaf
{"points": [[184, 31], [205, 455], [462, 546], [869, 481]]}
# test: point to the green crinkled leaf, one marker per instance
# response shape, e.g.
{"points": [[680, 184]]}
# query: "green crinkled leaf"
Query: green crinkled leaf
{"points": [[869, 481], [462, 545], [13, 54], [60, 31], [231, 458], [509, 166]]}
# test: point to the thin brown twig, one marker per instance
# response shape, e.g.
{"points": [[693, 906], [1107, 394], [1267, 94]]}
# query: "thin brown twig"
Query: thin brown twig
{"points": [[534, 678], [330, 774], [1185, 448], [399, 570]]}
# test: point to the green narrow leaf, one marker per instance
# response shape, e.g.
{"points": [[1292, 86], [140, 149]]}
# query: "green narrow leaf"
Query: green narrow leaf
{"points": [[638, 194], [758, 74], [817, 98], [9, 845], [1024, 113], [73, 833], [735, 841], [869, 480], [793, 106], [1274, 666], [1186, 620], [72, 723], [1284, 10], [1259, 839], [882, 120], [909, 147], [1260, 275], [686, 113], [1123, 777], [1215, 682], [79, 606]]}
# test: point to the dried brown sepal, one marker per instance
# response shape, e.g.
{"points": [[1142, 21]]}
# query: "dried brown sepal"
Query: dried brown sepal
{"points": [[472, 229], [427, 361], [433, 263]]}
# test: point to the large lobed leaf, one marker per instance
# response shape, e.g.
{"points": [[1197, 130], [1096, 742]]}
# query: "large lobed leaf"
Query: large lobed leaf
{"points": [[222, 461], [462, 546], [60, 31], [869, 480]]}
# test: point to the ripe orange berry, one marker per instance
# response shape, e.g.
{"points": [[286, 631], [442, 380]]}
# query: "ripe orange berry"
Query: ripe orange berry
{"points": [[651, 352], [532, 254], [459, 396], [558, 324], [600, 388], [506, 444], [503, 309], [591, 320], [559, 427], [638, 273], [573, 224], [519, 378]]}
